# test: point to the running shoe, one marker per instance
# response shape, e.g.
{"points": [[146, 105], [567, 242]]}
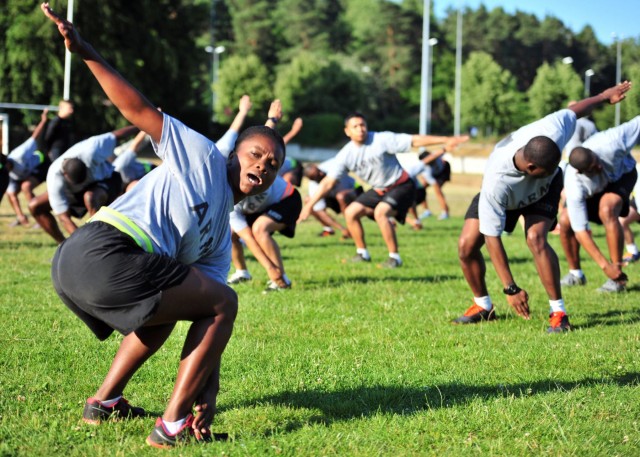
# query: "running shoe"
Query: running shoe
{"points": [[238, 277], [390, 263], [326, 233], [95, 412], [358, 258], [631, 258], [475, 314], [425, 214], [443, 216], [160, 438], [571, 280], [274, 287], [559, 322], [611, 286]]}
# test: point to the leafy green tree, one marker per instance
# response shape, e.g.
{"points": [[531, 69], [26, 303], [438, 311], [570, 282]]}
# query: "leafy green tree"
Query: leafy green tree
{"points": [[240, 75], [310, 85], [489, 98], [554, 86]]}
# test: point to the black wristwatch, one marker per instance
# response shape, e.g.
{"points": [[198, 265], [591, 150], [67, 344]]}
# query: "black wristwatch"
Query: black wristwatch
{"points": [[273, 119], [511, 289]]}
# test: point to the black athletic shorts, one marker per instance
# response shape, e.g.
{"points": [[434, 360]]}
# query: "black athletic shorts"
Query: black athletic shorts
{"points": [[285, 212], [400, 197], [108, 281], [332, 202], [75, 197], [546, 207], [445, 174], [622, 187], [421, 194]]}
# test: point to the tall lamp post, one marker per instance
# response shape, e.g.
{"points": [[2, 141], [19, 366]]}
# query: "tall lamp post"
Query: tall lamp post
{"points": [[432, 43], [424, 75], [66, 89], [587, 82], [618, 40], [215, 62], [458, 83]]}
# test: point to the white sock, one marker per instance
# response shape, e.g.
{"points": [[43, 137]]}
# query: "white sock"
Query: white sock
{"points": [[577, 273], [483, 302], [364, 252], [111, 402], [327, 229], [557, 306], [395, 255], [632, 249], [174, 427]]}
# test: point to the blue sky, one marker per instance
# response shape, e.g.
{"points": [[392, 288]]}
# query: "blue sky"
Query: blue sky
{"points": [[604, 16]]}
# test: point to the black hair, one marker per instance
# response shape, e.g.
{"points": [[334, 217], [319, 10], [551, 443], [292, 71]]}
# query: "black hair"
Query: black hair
{"points": [[581, 158], [424, 155], [262, 130], [75, 170], [352, 115], [543, 152]]}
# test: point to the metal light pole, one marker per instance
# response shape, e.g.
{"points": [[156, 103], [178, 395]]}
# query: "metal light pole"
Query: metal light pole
{"points": [[66, 91], [458, 83], [215, 59], [587, 82], [424, 77], [618, 71], [432, 43]]}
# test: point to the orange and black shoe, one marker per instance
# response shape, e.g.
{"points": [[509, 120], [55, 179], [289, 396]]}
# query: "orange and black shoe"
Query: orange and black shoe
{"points": [[95, 412], [475, 314], [559, 322]]}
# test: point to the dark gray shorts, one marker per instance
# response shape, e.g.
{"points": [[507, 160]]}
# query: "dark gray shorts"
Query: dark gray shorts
{"points": [[622, 187], [108, 281], [400, 198]]}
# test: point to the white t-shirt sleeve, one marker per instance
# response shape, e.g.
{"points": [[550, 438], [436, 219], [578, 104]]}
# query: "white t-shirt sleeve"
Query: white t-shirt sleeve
{"points": [[55, 188], [228, 141], [492, 214], [237, 219], [395, 143], [320, 204]]}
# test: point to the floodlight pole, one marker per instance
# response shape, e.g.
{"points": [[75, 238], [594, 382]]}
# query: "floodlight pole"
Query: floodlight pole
{"points": [[66, 94], [424, 77], [458, 83]]}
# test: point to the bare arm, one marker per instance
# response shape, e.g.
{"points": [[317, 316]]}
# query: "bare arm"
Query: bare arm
{"points": [[131, 103], [586, 241], [137, 141], [428, 140], [243, 109], [613, 95], [295, 129], [67, 222], [520, 301], [273, 271], [43, 120], [323, 189]]}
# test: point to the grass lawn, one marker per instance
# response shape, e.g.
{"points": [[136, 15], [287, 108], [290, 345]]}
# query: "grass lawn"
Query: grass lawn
{"points": [[353, 361]]}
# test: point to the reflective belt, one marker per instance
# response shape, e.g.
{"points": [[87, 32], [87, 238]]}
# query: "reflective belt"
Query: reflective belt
{"points": [[40, 156], [125, 225]]}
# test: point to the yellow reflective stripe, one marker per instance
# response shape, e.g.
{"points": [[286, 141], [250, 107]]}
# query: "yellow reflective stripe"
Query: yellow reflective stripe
{"points": [[125, 225], [40, 156]]}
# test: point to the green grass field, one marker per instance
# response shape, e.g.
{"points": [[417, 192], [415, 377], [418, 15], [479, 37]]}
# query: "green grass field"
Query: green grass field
{"points": [[353, 361]]}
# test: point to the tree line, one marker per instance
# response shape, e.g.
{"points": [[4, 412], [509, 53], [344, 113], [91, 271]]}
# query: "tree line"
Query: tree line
{"points": [[322, 58]]}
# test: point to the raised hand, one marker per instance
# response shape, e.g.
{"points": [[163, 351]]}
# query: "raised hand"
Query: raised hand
{"points": [[72, 39], [617, 93]]}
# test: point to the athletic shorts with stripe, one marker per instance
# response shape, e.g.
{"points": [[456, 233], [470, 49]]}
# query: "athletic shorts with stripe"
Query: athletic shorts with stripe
{"points": [[109, 281]]}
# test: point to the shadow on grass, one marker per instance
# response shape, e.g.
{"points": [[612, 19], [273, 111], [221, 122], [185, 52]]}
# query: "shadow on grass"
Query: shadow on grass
{"points": [[622, 316], [362, 402], [336, 282]]}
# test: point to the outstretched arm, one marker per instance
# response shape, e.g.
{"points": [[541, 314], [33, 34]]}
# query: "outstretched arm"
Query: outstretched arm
{"points": [[295, 129], [43, 120], [131, 103], [243, 109], [613, 95], [428, 140]]}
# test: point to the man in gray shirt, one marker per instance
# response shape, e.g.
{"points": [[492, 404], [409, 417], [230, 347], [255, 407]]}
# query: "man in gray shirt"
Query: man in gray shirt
{"points": [[371, 156], [599, 180], [522, 178]]}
